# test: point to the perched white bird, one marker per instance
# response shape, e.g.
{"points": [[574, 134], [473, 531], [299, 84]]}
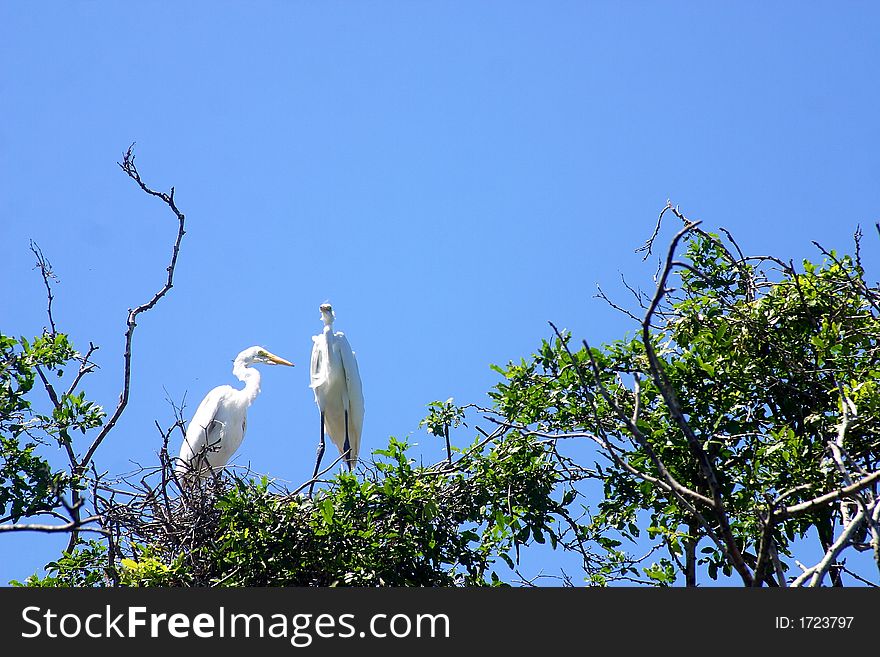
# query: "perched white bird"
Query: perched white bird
{"points": [[337, 385], [218, 426]]}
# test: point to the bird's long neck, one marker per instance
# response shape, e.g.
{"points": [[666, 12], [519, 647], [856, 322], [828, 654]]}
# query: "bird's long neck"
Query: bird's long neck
{"points": [[251, 379]]}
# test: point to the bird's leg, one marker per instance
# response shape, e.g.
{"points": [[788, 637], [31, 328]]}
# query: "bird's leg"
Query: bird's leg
{"points": [[320, 455], [346, 451]]}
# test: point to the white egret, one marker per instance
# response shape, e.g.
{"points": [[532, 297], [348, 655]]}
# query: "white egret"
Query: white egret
{"points": [[338, 393], [218, 426]]}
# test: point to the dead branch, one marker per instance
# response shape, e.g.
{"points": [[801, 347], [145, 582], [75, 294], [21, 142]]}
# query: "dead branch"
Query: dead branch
{"points": [[128, 166], [45, 268]]}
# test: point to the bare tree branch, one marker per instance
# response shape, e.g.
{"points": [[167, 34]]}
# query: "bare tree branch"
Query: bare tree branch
{"points": [[128, 166], [85, 367], [73, 525], [648, 246], [833, 496], [817, 573], [45, 268]]}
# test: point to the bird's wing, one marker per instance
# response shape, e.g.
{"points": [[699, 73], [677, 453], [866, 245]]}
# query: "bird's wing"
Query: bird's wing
{"points": [[203, 429], [355, 395], [320, 361]]}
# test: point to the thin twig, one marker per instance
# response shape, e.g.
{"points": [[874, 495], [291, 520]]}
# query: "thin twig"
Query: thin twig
{"points": [[45, 268], [85, 367]]}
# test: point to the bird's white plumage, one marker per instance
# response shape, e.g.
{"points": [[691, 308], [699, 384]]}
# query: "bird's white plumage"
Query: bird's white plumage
{"points": [[216, 430], [219, 424], [336, 382]]}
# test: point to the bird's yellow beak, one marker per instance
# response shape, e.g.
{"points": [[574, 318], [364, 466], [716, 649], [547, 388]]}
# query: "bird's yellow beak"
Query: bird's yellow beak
{"points": [[277, 360]]}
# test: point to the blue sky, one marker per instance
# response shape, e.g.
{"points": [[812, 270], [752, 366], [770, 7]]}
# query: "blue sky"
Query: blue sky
{"points": [[450, 175]]}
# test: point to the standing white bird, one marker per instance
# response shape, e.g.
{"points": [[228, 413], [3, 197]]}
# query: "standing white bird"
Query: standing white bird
{"points": [[218, 426], [338, 392]]}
